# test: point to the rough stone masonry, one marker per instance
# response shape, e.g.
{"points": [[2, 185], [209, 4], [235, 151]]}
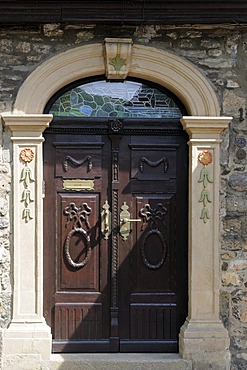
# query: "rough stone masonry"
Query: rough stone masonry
{"points": [[220, 53]]}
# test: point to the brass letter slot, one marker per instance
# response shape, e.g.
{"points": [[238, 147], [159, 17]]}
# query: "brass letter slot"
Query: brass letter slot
{"points": [[78, 184]]}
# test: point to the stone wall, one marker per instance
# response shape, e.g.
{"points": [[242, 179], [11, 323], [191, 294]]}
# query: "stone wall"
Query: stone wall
{"points": [[220, 53]]}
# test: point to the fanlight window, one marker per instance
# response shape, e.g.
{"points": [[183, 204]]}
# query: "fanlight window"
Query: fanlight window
{"points": [[115, 99]]}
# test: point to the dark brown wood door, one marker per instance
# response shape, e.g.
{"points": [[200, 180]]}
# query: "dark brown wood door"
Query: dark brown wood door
{"points": [[115, 283]]}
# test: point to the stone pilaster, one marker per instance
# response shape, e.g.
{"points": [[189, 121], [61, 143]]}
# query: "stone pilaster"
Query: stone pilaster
{"points": [[28, 339], [203, 338]]}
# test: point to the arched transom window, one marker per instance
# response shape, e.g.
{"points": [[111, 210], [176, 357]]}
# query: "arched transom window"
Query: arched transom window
{"points": [[124, 99]]}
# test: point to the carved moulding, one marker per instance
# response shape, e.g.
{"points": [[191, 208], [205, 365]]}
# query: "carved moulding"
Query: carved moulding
{"points": [[26, 156], [117, 54], [205, 158]]}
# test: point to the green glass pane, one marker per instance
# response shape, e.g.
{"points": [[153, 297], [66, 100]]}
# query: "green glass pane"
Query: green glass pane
{"points": [[115, 99]]}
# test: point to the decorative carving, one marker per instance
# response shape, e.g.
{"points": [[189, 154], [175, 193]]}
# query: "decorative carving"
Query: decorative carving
{"points": [[117, 57], [153, 164], [155, 217], [205, 158], [26, 197], [117, 62], [78, 215], [147, 263], [78, 163], [26, 156], [115, 166], [116, 126], [114, 259], [104, 131], [26, 176]]}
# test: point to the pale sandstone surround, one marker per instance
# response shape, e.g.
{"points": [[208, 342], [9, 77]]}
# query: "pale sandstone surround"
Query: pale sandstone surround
{"points": [[28, 338], [28, 334], [203, 337], [153, 64]]}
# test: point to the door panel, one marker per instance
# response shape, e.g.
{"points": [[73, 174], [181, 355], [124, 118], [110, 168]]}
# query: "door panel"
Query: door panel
{"points": [[78, 260], [147, 258], [76, 269], [124, 293]]}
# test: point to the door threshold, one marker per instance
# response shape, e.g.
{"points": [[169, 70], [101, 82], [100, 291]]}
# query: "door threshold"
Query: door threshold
{"points": [[117, 361]]}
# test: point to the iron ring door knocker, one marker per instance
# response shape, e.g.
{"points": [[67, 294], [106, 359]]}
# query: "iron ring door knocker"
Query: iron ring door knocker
{"points": [[78, 215], [88, 248]]}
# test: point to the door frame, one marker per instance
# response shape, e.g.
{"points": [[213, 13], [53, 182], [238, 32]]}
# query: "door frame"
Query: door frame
{"points": [[203, 334], [165, 137]]}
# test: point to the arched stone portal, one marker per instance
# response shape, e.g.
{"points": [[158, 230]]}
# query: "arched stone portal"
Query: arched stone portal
{"points": [[203, 337], [166, 69]]}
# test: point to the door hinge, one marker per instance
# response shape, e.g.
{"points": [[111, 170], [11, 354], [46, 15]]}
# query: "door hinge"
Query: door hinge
{"points": [[43, 189]]}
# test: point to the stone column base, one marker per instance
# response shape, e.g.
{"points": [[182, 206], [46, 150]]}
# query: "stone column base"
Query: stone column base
{"points": [[26, 345], [206, 343]]}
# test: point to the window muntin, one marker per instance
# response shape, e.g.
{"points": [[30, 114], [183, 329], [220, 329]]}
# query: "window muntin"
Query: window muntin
{"points": [[127, 99]]}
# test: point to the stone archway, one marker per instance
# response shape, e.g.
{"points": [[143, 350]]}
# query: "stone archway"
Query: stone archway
{"points": [[203, 337], [166, 69]]}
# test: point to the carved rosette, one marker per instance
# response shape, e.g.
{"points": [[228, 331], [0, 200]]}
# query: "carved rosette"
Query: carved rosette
{"points": [[117, 57], [205, 158], [26, 157]]}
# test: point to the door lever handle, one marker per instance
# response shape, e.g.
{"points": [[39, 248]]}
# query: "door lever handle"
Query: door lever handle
{"points": [[124, 220]]}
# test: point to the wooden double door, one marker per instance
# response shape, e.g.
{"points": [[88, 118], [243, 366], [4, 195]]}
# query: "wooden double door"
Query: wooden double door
{"points": [[115, 235]]}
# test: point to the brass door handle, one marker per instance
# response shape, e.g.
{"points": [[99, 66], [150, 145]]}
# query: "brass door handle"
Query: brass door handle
{"points": [[106, 220], [124, 220]]}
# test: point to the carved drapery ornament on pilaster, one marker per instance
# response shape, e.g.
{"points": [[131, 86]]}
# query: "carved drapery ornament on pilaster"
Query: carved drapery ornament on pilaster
{"points": [[26, 156], [117, 57], [205, 158]]}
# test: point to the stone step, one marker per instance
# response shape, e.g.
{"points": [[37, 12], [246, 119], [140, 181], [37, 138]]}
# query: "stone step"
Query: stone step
{"points": [[117, 361]]}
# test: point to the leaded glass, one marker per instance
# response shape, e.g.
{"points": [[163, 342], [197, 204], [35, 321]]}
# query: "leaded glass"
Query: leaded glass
{"points": [[115, 99]]}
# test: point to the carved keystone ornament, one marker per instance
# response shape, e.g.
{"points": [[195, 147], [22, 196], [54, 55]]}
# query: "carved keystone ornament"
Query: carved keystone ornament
{"points": [[117, 57]]}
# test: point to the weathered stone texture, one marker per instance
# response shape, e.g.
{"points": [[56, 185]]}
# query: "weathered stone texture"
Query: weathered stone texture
{"points": [[220, 54]]}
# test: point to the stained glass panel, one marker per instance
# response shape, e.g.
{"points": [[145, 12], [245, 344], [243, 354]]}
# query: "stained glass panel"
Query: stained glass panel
{"points": [[115, 99]]}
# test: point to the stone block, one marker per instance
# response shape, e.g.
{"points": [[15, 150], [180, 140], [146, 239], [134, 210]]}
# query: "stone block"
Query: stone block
{"points": [[232, 103], [84, 36], [118, 361], [22, 362], [232, 84], [230, 278], [228, 255], [6, 46], [217, 63], [215, 53], [236, 204], [23, 47], [210, 44], [52, 30], [238, 181], [238, 265]]}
